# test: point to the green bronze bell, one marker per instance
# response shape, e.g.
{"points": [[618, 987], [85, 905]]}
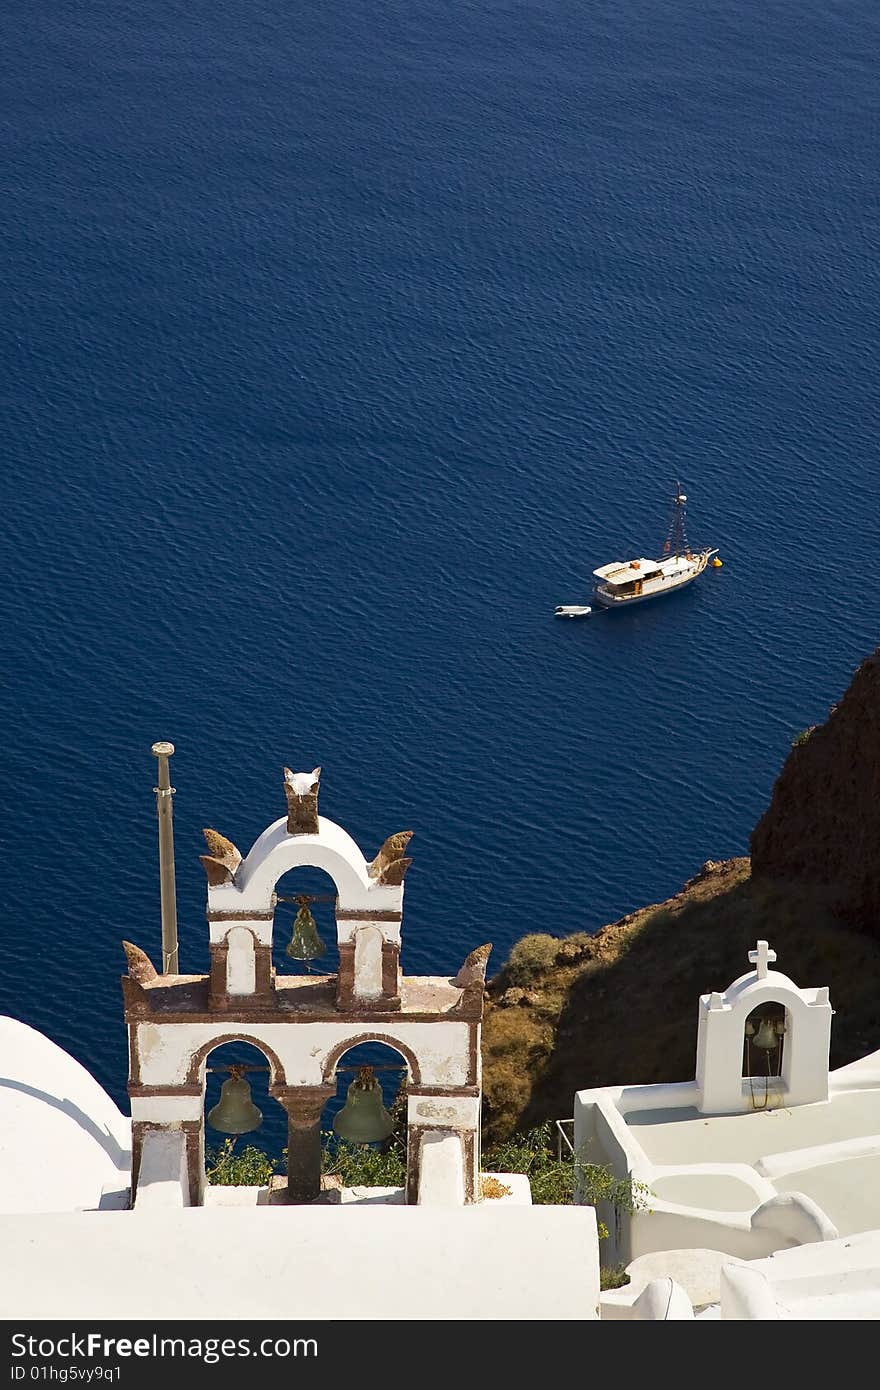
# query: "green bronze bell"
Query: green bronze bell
{"points": [[363, 1118], [305, 943], [235, 1112]]}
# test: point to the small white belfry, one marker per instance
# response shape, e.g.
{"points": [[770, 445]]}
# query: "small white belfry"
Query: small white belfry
{"points": [[803, 1039], [304, 1024]]}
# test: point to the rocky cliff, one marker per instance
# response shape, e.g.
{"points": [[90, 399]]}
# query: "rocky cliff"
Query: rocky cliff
{"points": [[621, 1006], [822, 826]]}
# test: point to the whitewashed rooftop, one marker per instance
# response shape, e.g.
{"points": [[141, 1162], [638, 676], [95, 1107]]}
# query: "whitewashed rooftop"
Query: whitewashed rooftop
{"points": [[354, 1261], [62, 1139]]}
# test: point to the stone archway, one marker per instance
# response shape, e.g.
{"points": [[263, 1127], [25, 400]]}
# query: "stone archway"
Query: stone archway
{"points": [[195, 1073], [196, 1082], [328, 1068]]}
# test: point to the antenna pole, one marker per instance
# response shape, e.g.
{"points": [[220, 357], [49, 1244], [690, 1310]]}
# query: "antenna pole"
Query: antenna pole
{"points": [[164, 792]]}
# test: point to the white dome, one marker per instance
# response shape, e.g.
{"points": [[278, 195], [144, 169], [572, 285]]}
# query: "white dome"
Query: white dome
{"points": [[62, 1139]]}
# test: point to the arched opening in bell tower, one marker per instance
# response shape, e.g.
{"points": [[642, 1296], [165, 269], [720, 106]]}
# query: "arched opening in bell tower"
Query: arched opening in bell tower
{"points": [[764, 1040], [243, 1123], [364, 1126], [304, 940]]}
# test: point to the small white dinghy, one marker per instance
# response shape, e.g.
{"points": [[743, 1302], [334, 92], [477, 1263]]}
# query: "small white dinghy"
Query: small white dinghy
{"points": [[573, 610]]}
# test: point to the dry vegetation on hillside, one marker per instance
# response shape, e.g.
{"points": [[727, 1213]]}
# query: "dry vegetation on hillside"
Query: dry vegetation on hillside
{"points": [[621, 1006]]}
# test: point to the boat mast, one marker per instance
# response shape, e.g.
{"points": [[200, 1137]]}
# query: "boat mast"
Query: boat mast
{"points": [[676, 542]]}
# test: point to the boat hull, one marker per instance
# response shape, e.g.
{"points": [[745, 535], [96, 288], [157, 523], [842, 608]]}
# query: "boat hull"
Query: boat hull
{"points": [[627, 602], [608, 600]]}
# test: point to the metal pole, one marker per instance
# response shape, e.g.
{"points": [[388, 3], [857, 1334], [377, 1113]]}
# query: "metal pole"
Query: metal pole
{"points": [[164, 793]]}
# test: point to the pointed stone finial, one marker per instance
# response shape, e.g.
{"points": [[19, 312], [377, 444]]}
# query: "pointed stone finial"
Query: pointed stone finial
{"points": [[140, 968], [301, 790], [760, 958], [220, 865], [389, 866], [473, 967]]}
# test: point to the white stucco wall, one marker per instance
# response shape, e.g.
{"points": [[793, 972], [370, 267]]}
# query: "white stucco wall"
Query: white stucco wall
{"points": [[490, 1262], [722, 1019], [442, 1048], [241, 966], [368, 963], [62, 1139], [162, 1177], [824, 1155], [837, 1281], [275, 853], [441, 1177], [453, 1112]]}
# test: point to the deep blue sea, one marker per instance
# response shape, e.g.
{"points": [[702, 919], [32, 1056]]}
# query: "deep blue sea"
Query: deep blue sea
{"points": [[339, 344]]}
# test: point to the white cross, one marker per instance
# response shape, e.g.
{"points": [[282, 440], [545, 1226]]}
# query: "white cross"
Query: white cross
{"points": [[760, 958]]}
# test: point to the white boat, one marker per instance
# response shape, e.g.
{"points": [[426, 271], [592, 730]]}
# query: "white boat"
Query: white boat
{"points": [[573, 610], [635, 581]]}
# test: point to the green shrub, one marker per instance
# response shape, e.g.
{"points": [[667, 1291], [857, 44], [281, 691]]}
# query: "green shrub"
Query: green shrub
{"points": [[550, 1178], [612, 1277], [553, 1180], [226, 1168], [363, 1165], [530, 956], [597, 1183]]}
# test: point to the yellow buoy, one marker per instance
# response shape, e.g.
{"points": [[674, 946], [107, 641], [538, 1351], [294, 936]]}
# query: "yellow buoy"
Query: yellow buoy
{"points": [[716, 563]]}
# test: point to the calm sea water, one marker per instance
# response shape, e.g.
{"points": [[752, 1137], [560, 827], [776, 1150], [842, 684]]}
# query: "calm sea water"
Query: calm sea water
{"points": [[340, 343]]}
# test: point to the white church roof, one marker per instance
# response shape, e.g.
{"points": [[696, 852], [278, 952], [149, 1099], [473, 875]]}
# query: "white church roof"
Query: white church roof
{"points": [[62, 1139], [381, 1262]]}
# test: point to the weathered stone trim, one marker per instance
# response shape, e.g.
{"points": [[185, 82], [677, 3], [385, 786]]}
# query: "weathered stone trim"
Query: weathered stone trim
{"points": [[138, 1092], [134, 999], [265, 975], [195, 1164], [263, 996], [254, 914], [470, 1006], [349, 914], [193, 1075], [382, 1005], [217, 977], [137, 1144], [471, 1177], [441, 1129], [345, 976], [464, 1092], [187, 1126], [191, 1128], [413, 1164], [445, 1111], [474, 1056], [255, 1015], [391, 971], [303, 1103], [468, 1140], [134, 1056]]}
